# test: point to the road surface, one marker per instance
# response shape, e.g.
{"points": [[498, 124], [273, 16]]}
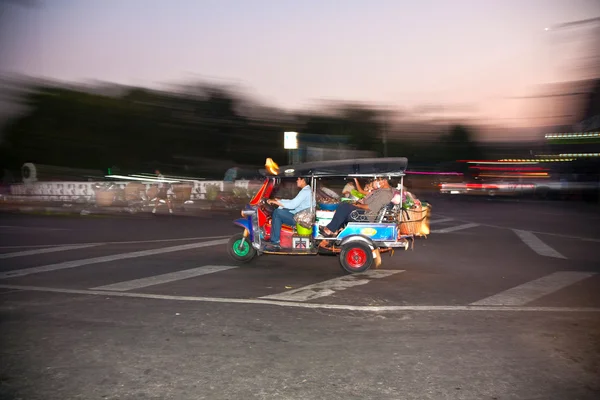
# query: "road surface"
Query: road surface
{"points": [[501, 301]]}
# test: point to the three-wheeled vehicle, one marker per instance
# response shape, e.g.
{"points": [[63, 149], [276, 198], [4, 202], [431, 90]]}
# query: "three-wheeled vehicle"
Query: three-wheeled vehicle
{"points": [[359, 244]]}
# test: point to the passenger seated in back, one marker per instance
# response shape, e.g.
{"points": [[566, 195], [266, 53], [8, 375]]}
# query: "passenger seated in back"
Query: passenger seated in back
{"points": [[379, 198]]}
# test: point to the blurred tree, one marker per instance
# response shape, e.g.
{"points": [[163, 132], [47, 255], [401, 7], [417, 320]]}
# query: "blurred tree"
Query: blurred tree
{"points": [[360, 124], [137, 130], [363, 126], [459, 144], [142, 129]]}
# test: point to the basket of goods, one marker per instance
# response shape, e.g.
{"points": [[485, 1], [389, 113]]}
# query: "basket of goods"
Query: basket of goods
{"points": [[425, 223], [328, 206], [414, 215], [329, 193], [327, 199]]}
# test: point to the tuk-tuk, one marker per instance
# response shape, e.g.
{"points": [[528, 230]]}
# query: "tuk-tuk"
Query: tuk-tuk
{"points": [[358, 244]]}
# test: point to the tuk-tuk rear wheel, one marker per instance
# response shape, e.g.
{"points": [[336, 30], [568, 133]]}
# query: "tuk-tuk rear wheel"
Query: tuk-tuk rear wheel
{"points": [[356, 257], [241, 252]]}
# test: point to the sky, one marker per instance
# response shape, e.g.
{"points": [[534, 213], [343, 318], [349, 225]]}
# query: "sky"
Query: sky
{"points": [[403, 54]]}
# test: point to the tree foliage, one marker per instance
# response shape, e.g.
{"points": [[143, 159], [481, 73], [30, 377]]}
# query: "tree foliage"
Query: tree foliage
{"points": [[142, 129]]}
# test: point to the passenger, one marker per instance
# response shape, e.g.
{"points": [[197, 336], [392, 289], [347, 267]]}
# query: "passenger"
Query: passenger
{"points": [[367, 189], [375, 201], [348, 189], [287, 208]]}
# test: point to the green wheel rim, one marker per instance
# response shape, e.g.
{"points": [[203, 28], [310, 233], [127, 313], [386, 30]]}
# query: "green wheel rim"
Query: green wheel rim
{"points": [[243, 251]]}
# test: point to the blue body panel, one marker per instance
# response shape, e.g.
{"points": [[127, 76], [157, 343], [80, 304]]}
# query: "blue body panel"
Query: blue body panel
{"points": [[374, 231]]}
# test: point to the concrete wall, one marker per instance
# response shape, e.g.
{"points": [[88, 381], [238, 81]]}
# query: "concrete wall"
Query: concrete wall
{"points": [[84, 191]]}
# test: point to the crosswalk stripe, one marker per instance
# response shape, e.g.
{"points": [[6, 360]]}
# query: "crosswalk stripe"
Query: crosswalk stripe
{"points": [[345, 307], [46, 250], [530, 291], [455, 228], [537, 245], [114, 257], [164, 278], [330, 286], [441, 220]]}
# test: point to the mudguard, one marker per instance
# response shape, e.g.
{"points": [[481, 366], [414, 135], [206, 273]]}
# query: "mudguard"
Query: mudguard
{"points": [[358, 238], [246, 223]]}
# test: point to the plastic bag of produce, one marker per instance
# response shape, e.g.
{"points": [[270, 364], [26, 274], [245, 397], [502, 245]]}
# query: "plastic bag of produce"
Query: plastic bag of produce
{"points": [[304, 218]]}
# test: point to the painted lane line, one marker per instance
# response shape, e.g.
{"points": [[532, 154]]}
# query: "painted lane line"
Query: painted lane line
{"points": [[164, 278], [114, 257], [575, 237], [300, 304], [330, 286], [530, 291], [38, 246], [537, 245], [46, 250], [440, 221], [33, 228], [455, 228], [122, 242], [583, 238]]}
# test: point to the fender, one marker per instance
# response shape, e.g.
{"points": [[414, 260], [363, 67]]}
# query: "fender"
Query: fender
{"points": [[358, 238], [246, 223]]}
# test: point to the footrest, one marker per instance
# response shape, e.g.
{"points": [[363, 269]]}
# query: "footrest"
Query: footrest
{"points": [[291, 252]]}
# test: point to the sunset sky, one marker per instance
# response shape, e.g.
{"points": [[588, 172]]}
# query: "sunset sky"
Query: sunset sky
{"points": [[403, 54]]}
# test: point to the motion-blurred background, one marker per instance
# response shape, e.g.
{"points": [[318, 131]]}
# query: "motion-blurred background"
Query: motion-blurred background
{"points": [[483, 97]]}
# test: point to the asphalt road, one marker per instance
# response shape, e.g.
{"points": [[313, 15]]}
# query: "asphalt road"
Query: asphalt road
{"points": [[501, 301]]}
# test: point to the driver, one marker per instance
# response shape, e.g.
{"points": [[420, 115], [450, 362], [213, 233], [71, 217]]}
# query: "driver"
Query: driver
{"points": [[287, 208]]}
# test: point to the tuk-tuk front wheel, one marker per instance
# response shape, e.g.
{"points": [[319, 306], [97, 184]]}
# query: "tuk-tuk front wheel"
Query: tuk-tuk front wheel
{"points": [[356, 257], [240, 249]]}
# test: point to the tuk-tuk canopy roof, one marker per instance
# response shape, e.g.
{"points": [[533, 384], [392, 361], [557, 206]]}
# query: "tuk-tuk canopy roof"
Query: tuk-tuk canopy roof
{"points": [[391, 166]]}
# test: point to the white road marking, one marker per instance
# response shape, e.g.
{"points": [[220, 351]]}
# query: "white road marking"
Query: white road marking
{"points": [[537, 245], [46, 250], [32, 228], [586, 239], [37, 246], [455, 228], [530, 291], [299, 304], [330, 286], [114, 257], [122, 242], [442, 220], [164, 278]]}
